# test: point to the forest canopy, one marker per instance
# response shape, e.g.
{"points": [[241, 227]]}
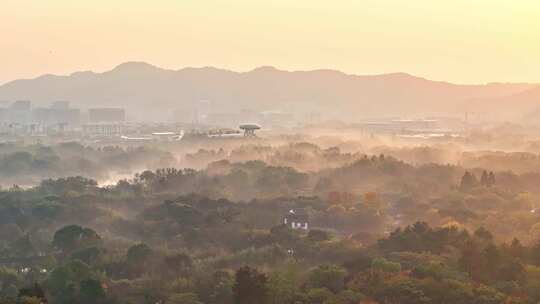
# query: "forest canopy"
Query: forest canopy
{"points": [[372, 228]]}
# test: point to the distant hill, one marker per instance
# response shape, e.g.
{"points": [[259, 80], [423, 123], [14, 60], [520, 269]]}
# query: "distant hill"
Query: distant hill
{"points": [[151, 92]]}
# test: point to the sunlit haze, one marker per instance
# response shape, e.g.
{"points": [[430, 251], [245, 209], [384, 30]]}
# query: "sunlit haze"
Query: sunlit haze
{"points": [[270, 151], [459, 41]]}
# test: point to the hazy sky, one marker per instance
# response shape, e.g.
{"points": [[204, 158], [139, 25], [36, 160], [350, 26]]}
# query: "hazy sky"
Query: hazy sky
{"points": [[467, 41]]}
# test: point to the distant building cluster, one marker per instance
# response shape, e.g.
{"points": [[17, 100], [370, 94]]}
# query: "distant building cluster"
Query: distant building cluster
{"points": [[105, 121], [206, 113], [21, 117], [414, 128]]}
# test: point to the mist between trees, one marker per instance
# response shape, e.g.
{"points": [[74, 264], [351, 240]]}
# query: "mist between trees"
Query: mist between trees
{"points": [[384, 227]]}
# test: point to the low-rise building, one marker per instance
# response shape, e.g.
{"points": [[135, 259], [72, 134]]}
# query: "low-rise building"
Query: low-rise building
{"points": [[106, 129], [296, 219]]}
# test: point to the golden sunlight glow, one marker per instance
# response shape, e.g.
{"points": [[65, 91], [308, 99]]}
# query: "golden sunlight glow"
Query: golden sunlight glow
{"points": [[466, 41]]}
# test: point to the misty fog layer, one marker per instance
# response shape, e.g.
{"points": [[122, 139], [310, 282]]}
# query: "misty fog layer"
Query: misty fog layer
{"points": [[323, 214]]}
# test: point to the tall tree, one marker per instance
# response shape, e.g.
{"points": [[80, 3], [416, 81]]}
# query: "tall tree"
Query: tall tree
{"points": [[73, 237], [35, 291], [331, 277], [91, 292], [138, 259], [484, 178], [468, 181], [250, 286], [491, 179]]}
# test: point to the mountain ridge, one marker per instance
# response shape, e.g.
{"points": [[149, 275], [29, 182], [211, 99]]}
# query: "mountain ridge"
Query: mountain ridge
{"points": [[146, 90]]}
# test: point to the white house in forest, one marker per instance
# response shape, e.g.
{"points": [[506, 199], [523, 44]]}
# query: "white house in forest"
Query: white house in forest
{"points": [[296, 219]]}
